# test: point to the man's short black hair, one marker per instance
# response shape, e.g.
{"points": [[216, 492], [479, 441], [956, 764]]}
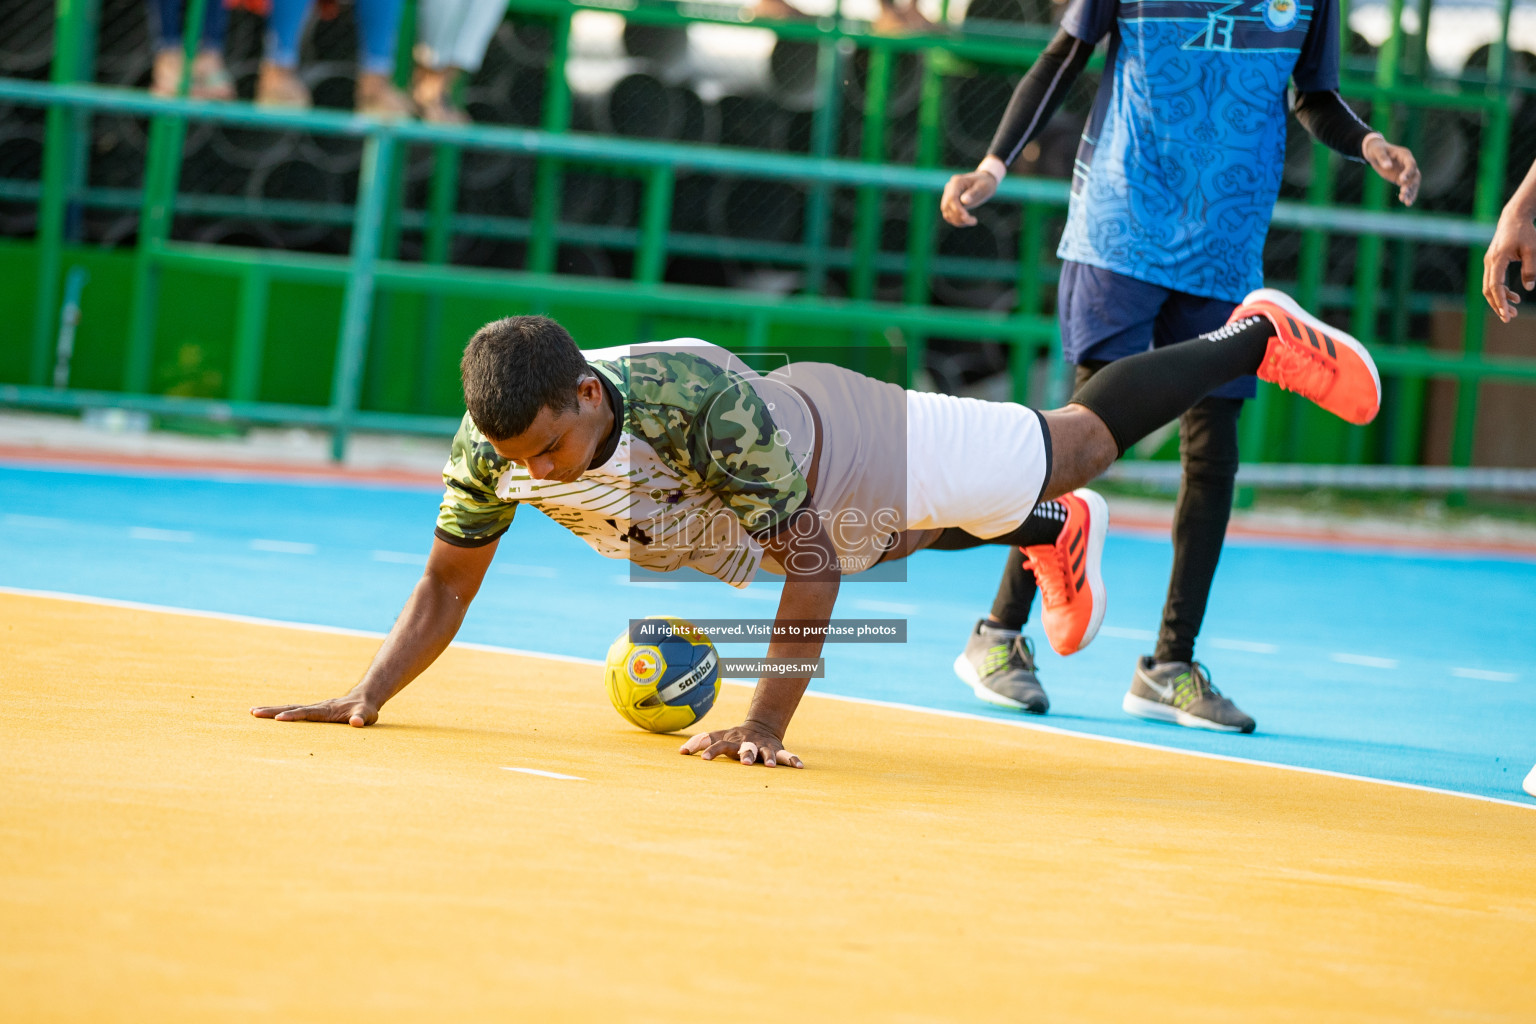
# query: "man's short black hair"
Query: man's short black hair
{"points": [[514, 367]]}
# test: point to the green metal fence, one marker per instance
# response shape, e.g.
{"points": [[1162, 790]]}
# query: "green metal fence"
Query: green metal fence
{"points": [[373, 270]]}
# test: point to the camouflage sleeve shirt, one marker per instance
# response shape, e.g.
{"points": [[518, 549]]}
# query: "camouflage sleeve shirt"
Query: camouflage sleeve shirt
{"points": [[696, 438], [712, 424]]}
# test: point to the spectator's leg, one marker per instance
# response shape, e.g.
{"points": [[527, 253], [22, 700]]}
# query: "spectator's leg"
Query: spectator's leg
{"points": [[279, 85], [454, 35], [210, 79], [215, 25], [165, 36], [378, 26], [479, 23], [164, 24], [285, 27], [436, 29]]}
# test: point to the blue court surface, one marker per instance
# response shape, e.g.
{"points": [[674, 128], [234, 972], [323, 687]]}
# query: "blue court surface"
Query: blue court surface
{"points": [[1404, 666]]}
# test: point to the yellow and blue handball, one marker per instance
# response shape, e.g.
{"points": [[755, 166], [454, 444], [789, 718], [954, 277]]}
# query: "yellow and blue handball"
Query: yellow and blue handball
{"points": [[663, 673]]}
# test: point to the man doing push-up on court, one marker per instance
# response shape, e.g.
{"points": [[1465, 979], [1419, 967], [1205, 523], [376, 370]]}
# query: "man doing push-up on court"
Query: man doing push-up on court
{"points": [[674, 455]]}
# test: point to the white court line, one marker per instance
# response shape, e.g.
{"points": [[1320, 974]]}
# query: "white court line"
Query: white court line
{"points": [[540, 772], [1127, 634], [895, 705], [1364, 659], [1251, 646], [1056, 730], [42, 522], [253, 620], [150, 533], [284, 547], [1482, 673]]}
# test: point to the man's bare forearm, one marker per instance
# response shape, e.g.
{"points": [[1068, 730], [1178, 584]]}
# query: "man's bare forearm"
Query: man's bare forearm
{"points": [[426, 626], [812, 577], [776, 698], [1522, 204], [429, 621]]}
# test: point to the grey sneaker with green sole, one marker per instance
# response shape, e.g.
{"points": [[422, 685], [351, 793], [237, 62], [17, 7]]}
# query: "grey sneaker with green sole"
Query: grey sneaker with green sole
{"points": [[1182, 693], [999, 665]]}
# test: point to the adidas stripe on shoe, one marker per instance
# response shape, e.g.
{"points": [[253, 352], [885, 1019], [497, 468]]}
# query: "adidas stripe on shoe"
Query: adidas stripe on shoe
{"points": [[1314, 359]]}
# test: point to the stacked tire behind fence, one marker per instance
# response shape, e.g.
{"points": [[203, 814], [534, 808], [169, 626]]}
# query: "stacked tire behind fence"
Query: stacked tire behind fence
{"points": [[704, 84]]}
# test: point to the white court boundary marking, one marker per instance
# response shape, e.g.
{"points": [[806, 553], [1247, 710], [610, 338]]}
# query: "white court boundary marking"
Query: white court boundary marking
{"points": [[541, 772], [252, 620]]}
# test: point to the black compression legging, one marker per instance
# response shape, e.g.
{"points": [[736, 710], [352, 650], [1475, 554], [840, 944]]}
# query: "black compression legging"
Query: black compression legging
{"points": [[1017, 590], [1208, 450]]}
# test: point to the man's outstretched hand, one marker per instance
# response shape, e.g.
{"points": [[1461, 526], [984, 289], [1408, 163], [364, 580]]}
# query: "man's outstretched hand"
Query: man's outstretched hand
{"points": [[963, 193], [1513, 242], [747, 743], [352, 710], [1394, 163]]}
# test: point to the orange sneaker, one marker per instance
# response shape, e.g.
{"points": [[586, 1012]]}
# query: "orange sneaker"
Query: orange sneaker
{"points": [[1316, 361], [1068, 573]]}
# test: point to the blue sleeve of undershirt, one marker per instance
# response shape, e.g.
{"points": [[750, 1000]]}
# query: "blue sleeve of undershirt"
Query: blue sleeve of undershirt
{"points": [[1317, 66], [1090, 20]]}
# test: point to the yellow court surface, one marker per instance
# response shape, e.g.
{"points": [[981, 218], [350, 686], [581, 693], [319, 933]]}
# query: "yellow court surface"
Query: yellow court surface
{"points": [[167, 857]]}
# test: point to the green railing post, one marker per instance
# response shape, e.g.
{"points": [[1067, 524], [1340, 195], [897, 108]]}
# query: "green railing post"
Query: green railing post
{"points": [[1405, 419], [194, 15], [1021, 353], [71, 27], [543, 245], [925, 207], [1312, 265], [757, 332], [868, 221], [655, 219], [1369, 249], [389, 306], [250, 334], [436, 249], [161, 170], [162, 175], [1486, 205], [357, 303], [829, 63]]}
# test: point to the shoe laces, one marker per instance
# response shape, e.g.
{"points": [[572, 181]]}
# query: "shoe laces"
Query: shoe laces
{"points": [[1050, 569], [1016, 652], [1299, 371], [1202, 680]]}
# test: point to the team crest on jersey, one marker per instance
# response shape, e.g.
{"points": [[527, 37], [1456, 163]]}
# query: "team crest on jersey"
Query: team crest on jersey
{"points": [[1281, 14]]}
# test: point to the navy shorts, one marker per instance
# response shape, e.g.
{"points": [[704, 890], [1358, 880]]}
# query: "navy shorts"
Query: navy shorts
{"points": [[1107, 316]]}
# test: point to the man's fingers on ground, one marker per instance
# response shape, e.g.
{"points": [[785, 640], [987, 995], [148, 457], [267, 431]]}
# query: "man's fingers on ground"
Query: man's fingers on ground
{"points": [[719, 747], [313, 713], [274, 711], [698, 742]]}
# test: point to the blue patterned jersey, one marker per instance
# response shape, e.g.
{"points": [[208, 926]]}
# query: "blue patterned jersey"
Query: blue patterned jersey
{"points": [[1180, 162]]}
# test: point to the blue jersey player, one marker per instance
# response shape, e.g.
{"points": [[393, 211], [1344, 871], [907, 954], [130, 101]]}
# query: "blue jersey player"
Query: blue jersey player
{"points": [[1175, 181]]}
